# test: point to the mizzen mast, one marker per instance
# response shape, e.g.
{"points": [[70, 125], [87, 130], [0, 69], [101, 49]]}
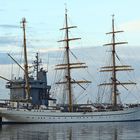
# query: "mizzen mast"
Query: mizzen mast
{"points": [[27, 88], [115, 68]]}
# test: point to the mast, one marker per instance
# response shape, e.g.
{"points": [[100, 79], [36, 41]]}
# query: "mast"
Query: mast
{"points": [[115, 68], [27, 88], [114, 85], [68, 66], [36, 65]]}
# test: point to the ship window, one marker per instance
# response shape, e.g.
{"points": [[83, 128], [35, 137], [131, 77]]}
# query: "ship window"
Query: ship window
{"points": [[54, 101]]}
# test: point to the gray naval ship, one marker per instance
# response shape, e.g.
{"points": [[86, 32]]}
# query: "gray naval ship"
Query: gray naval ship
{"points": [[31, 90], [39, 88]]}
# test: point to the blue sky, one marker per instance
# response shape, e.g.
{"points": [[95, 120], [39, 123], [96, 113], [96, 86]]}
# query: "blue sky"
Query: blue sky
{"points": [[46, 17]]}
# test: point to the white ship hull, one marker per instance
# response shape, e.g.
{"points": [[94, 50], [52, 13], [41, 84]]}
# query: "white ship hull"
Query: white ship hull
{"points": [[53, 116]]}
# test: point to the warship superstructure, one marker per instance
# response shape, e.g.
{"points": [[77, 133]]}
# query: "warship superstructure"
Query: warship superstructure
{"points": [[39, 88]]}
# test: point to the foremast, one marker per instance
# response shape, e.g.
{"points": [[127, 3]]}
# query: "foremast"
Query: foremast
{"points": [[115, 68], [68, 66], [27, 87]]}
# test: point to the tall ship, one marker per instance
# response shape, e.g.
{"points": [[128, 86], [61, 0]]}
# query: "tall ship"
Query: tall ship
{"points": [[35, 104]]}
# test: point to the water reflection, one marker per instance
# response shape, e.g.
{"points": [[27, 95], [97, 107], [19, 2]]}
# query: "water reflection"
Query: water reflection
{"points": [[88, 131]]}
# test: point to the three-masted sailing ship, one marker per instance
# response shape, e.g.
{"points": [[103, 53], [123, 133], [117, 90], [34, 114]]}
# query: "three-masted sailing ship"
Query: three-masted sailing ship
{"points": [[52, 114]]}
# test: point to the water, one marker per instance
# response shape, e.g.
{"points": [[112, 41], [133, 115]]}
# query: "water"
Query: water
{"points": [[85, 131]]}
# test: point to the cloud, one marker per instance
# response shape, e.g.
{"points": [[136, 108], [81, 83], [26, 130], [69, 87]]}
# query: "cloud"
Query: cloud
{"points": [[132, 26], [93, 56], [1, 10], [45, 50], [4, 59], [9, 26], [5, 40]]}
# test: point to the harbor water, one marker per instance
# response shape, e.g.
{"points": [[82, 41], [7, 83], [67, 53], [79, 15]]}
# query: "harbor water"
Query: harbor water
{"points": [[69, 131]]}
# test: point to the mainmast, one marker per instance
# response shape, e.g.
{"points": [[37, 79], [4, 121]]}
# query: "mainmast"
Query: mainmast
{"points": [[114, 85], [115, 68], [68, 66], [27, 88]]}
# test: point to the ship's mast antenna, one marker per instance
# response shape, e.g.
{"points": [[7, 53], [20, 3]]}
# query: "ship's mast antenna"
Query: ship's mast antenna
{"points": [[27, 88], [37, 65]]}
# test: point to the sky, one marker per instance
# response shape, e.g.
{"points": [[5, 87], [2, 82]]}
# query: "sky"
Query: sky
{"points": [[45, 18]]}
